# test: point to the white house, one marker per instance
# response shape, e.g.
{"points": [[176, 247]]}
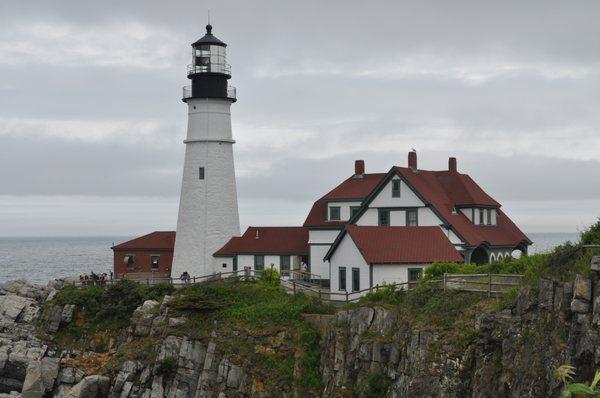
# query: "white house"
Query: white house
{"points": [[412, 216], [365, 256]]}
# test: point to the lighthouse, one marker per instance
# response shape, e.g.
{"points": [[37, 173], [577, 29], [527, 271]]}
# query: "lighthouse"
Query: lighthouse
{"points": [[208, 210]]}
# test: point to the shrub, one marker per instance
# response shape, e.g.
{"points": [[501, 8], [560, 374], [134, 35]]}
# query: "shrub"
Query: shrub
{"points": [[387, 294], [375, 385], [270, 276], [109, 308], [591, 236], [166, 366]]}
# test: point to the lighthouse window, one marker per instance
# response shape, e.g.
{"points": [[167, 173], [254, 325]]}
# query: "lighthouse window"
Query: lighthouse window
{"points": [[201, 173]]}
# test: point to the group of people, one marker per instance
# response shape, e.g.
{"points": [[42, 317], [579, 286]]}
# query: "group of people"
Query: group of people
{"points": [[93, 279]]}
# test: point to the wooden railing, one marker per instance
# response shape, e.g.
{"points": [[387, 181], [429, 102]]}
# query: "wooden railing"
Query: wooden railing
{"points": [[492, 284], [483, 283]]}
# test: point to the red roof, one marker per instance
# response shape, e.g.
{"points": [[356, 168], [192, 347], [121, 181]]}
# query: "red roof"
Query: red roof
{"points": [[268, 240], [445, 190], [351, 189], [157, 240], [402, 245]]}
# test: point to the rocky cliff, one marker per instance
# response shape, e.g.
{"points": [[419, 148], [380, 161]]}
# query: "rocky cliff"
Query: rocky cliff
{"points": [[506, 350]]}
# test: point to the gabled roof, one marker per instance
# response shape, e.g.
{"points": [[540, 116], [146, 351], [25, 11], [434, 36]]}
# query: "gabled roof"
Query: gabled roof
{"points": [[444, 190], [157, 240], [351, 189], [400, 245], [267, 240]]}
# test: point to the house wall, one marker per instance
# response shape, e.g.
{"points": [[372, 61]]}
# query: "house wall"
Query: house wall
{"points": [[247, 260], [322, 235], [407, 197], [369, 217], [317, 265], [392, 273], [224, 264], [347, 255], [142, 261]]}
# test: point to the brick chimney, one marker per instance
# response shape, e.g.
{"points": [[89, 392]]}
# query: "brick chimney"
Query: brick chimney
{"points": [[412, 160], [452, 164], [359, 168]]}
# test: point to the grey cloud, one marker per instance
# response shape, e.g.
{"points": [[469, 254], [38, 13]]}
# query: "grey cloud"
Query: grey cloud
{"points": [[510, 87]]}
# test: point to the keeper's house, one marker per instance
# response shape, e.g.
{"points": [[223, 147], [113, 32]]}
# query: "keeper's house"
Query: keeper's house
{"points": [[386, 227]]}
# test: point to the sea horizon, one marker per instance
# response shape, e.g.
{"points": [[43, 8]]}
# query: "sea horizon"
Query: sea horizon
{"points": [[40, 259]]}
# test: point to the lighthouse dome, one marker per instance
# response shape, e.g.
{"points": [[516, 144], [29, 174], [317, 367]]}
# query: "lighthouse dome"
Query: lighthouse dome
{"points": [[209, 38]]}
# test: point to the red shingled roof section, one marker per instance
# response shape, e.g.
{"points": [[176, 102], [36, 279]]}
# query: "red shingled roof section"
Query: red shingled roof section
{"points": [[271, 240], [444, 190], [403, 245], [351, 188], [159, 240]]}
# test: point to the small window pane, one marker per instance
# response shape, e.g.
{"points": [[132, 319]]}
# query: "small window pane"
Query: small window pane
{"points": [[342, 278], [489, 216], [354, 210], [395, 188], [384, 217], [259, 262], [334, 213], [285, 263], [411, 218], [201, 173], [155, 261], [414, 274], [481, 217], [355, 279]]}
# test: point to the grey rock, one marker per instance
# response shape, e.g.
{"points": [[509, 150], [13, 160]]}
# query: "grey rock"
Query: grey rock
{"points": [[595, 263], [90, 387], [546, 293], [25, 289], [596, 317], [52, 318], [12, 305], [580, 306], [582, 289], [67, 313], [32, 386], [143, 316]]}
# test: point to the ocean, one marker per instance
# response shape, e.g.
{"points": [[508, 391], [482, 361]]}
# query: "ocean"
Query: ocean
{"points": [[40, 260]]}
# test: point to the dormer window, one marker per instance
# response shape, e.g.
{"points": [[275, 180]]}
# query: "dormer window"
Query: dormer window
{"points": [[334, 213]]}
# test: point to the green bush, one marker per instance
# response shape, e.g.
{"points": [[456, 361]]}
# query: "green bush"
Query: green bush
{"points": [[109, 307], [387, 294], [591, 236], [375, 386], [166, 366], [311, 358], [270, 276]]}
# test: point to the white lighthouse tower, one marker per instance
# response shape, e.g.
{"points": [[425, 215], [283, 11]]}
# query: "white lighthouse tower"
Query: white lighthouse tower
{"points": [[208, 209]]}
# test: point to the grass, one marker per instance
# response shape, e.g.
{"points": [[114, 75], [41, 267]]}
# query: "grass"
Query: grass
{"points": [[102, 311], [259, 325]]}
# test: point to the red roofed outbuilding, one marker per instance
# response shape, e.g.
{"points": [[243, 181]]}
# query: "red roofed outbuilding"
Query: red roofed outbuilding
{"points": [[148, 254]]}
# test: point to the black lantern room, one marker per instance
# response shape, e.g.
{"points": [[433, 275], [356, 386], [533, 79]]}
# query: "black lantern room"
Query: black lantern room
{"points": [[209, 70]]}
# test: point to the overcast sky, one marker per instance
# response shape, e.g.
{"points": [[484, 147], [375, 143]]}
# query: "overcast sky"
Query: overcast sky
{"points": [[91, 121]]}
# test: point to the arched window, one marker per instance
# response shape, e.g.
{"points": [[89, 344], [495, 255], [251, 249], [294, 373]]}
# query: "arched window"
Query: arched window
{"points": [[499, 258], [492, 258]]}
